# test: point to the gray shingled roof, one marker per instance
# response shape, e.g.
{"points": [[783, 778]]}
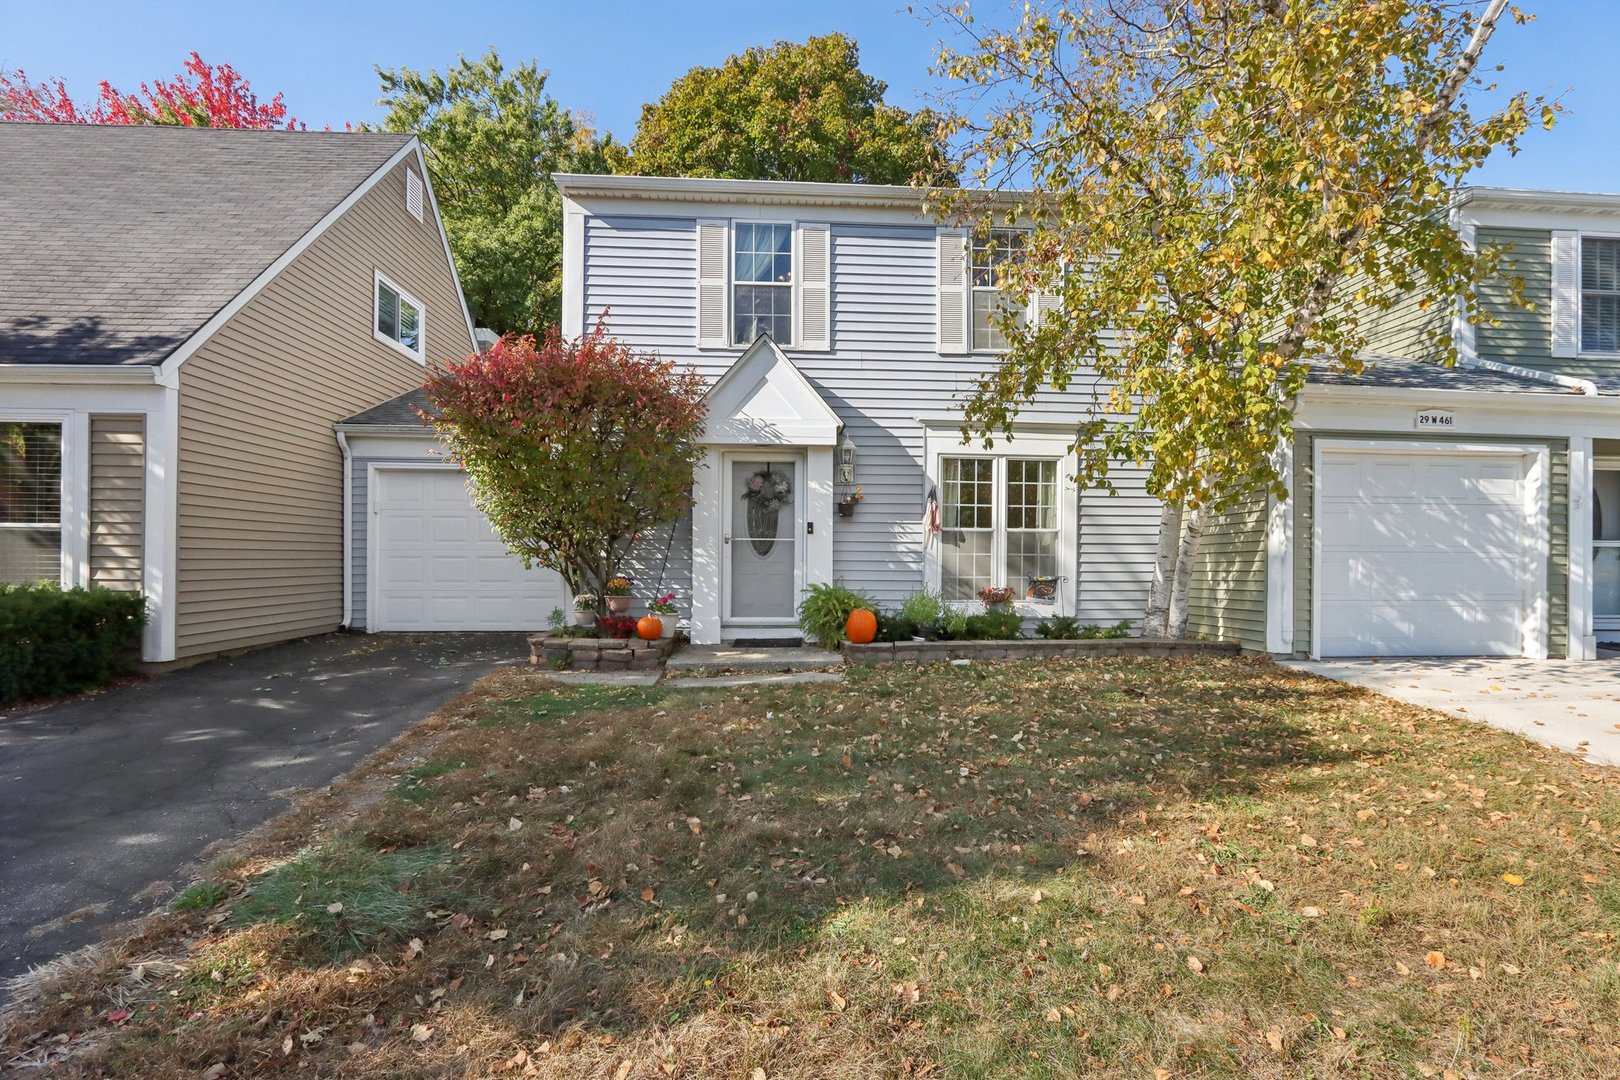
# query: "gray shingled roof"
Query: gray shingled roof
{"points": [[118, 243], [396, 412], [1399, 373]]}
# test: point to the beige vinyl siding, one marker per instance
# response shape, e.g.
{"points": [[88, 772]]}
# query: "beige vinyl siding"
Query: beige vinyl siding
{"points": [[117, 501], [1227, 598], [260, 517], [1557, 533]]}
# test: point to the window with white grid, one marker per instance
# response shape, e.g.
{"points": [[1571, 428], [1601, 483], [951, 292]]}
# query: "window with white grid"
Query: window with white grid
{"points": [[1600, 294], [994, 253], [1000, 524], [30, 503], [763, 273]]}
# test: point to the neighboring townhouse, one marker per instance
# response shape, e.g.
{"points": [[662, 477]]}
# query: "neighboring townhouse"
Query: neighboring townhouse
{"points": [[184, 315], [1469, 510], [1466, 511]]}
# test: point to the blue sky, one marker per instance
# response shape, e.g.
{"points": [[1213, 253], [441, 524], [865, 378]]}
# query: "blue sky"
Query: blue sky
{"points": [[610, 56]]}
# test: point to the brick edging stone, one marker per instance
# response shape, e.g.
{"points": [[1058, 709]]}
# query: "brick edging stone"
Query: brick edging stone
{"points": [[599, 654], [939, 651]]}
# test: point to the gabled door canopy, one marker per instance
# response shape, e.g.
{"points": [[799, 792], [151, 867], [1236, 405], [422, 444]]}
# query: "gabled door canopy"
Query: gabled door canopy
{"points": [[763, 399]]}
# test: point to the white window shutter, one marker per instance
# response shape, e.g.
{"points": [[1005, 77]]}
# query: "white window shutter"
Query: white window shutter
{"points": [[1566, 292], [953, 292], [815, 288], [714, 238]]}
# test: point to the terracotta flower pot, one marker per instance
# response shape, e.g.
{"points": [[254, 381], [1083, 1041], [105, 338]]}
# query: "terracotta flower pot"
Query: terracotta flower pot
{"points": [[618, 604]]}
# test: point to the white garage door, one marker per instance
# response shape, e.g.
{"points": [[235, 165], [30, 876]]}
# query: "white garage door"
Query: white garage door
{"points": [[438, 565], [1423, 553]]}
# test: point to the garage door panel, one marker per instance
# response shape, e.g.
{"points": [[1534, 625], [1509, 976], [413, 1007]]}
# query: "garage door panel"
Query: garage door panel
{"points": [[441, 567], [1423, 554], [1415, 576]]}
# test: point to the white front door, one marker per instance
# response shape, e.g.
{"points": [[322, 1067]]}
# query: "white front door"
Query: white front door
{"points": [[437, 565], [762, 551], [1606, 552], [1423, 553]]}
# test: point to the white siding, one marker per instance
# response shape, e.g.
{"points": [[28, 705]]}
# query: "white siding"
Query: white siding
{"points": [[883, 374]]}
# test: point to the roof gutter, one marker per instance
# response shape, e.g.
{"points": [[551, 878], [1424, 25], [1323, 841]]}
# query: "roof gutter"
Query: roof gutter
{"points": [[1493, 399], [133, 374]]}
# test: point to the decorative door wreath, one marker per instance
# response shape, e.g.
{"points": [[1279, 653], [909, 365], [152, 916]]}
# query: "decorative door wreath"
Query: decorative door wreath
{"points": [[768, 492]]}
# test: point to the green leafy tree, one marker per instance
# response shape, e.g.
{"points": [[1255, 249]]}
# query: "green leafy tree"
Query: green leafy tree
{"points": [[789, 112], [494, 137], [573, 448], [1223, 193]]}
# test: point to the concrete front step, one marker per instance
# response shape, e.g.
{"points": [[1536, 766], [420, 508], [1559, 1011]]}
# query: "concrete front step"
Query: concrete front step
{"points": [[715, 659]]}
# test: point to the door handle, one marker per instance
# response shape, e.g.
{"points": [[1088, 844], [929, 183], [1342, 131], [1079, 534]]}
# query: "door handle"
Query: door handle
{"points": [[728, 539]]}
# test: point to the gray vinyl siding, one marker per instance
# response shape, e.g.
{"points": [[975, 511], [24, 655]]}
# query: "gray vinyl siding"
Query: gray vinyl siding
{"points": [[1557, 540], [882, 376], [1524, 336], [117, 501], [1227, 598]]}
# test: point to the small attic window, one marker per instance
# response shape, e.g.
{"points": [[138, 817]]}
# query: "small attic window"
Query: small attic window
{"points": [[413, 194]]}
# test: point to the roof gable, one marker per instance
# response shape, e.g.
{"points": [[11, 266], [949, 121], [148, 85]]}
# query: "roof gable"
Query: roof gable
{"points": [[764, 400], [123, 242]]}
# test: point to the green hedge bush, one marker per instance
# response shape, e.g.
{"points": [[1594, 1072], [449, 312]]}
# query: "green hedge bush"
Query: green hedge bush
{"points": [[58, 641]]}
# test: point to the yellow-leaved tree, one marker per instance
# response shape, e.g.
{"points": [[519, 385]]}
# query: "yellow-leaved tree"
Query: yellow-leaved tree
{"points": [[1219, 194]]}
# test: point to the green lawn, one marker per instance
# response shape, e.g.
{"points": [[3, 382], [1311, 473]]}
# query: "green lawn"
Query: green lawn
{"points": [[1129, 868]]}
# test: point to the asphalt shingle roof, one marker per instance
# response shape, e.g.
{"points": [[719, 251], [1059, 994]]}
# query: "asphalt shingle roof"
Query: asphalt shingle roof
{"points": [[1399, 373], [118, 243], [396, 412]]}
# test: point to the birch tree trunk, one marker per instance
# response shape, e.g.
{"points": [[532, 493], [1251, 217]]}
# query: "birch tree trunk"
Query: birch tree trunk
{"points": [[1192, 535], [1155, 621]]}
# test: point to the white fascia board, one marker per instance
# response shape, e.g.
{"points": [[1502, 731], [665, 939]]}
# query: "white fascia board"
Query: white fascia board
{"points": [[257, 285], [694, 189], [1514, 400]]}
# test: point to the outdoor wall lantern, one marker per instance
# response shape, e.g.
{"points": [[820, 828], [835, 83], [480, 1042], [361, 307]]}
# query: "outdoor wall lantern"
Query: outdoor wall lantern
{"points": [[846, 460]]}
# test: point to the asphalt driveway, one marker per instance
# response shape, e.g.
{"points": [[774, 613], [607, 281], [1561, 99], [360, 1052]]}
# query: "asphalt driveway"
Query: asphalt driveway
{"points": [[1569, 705], [108, 797]]}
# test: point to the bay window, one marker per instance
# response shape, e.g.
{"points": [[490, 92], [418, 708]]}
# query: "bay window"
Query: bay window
{"points": [[999, 524], [30, 503]]}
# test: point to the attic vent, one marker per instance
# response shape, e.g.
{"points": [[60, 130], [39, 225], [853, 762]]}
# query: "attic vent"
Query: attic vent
{"points": [[413, 194]]}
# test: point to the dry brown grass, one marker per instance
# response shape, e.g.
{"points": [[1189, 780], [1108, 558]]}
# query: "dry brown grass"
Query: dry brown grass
{"points": [[1110, 868]]}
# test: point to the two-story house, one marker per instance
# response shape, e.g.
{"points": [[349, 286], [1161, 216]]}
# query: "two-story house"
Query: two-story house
{"points": [[184, 315], [1434, 510]]}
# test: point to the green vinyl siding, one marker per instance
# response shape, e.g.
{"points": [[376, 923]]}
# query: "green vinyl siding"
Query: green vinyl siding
{"points": [[1557, 539], [1409, 329], [1524, 337], [1227, 596]]}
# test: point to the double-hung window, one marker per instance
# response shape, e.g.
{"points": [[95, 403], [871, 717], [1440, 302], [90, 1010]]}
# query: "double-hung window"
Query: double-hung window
{"points": [[399, 319], [1000, 524], [993, 254], [762, 276], [1600, 294], [30, 503]]}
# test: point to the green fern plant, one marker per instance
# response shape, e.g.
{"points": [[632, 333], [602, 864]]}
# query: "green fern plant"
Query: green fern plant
{"points": [[826, 609]]}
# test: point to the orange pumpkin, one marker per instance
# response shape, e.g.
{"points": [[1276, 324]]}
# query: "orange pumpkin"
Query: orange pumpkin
{"points": [[649, 627], [861, 626]]}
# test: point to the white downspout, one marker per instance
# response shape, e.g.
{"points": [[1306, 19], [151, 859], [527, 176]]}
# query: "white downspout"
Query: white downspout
{"points": [[348, 530]]}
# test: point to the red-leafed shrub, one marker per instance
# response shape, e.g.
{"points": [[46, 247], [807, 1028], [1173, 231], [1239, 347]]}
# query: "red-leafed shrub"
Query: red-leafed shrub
{"points": [[573, 448]]}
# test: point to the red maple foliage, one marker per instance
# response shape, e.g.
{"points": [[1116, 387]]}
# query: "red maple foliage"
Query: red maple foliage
{"points": [[204, 95]]}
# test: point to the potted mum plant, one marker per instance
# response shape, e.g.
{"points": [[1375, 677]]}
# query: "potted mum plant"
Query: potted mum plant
{"points": [[585, 609], [996, 597], [664, 607], [617, 592]]}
